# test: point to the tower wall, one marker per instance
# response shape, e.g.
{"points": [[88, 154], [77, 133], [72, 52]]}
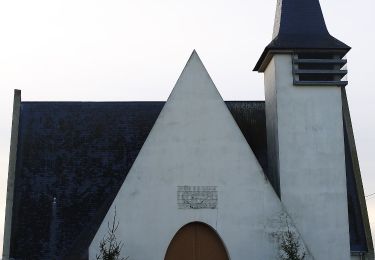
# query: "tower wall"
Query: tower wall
{"points": [[306, 144]]}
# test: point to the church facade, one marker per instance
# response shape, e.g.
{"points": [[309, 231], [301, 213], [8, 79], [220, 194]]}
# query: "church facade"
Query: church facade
{"points": [[197, 177]]}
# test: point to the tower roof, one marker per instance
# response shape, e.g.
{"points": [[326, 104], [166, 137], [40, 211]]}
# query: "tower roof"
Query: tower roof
{"points": [[300, 25]]}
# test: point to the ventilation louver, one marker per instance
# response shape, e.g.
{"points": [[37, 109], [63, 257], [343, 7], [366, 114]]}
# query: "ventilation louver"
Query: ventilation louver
{"points": [[319, 69]]}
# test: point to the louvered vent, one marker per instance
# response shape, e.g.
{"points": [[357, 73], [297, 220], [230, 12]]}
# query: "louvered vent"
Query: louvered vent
{"points": [[319, 69]]}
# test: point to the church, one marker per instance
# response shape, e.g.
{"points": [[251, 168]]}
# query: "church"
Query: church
{"points": [[197, 177]]}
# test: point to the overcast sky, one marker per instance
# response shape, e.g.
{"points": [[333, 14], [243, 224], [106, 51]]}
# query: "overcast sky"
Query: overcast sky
{"points": [[135, 50]]}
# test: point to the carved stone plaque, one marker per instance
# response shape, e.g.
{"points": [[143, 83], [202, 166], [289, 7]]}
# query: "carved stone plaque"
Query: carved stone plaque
{"points": [[196, 197]]}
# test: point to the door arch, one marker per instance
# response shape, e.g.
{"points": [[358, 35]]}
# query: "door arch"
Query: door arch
{"points": [[196, 241]]}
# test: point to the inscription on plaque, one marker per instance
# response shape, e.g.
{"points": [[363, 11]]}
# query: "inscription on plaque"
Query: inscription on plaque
{"points": [[196, 197]]}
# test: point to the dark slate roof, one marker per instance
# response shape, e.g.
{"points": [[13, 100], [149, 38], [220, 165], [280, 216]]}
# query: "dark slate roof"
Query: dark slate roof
{"points": [[302, 27], [74, 156], [79, 154]]}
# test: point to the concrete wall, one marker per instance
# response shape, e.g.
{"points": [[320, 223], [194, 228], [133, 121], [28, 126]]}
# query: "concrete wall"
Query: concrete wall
{"points": [[272, 126], [308, 126], [196, 142]]}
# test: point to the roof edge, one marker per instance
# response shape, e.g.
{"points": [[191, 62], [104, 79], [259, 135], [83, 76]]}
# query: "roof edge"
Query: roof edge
{"points": [[11, 173], [268, 53], [357, 172]]}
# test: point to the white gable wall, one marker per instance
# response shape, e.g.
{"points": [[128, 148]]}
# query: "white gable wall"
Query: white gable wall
{"points": [[196, 142], [305, 132]]}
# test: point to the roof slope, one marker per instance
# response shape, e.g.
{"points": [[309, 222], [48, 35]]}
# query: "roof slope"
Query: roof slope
{"points": [[300, 25]]}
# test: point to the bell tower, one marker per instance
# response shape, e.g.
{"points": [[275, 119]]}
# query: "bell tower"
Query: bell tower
{"points": [[304, 72]]}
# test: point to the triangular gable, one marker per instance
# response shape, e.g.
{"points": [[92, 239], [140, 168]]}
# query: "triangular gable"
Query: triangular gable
{"points": [[195, 145]]}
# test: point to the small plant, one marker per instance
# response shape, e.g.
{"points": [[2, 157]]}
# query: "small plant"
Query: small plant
{"points": [[109, 247], [289, 244], [290, 247]]}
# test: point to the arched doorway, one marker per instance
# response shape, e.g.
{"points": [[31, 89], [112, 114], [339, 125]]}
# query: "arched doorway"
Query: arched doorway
{"points": [[196, 241]]}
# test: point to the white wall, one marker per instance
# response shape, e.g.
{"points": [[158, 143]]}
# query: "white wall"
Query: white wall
{"points": [[308, 127], [195, 141]]}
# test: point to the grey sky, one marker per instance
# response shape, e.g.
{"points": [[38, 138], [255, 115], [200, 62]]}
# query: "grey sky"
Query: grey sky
{"points": [[135, 50]]}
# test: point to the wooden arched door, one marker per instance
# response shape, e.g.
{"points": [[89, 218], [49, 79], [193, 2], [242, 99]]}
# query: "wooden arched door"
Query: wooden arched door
{"points": [[196, 241]]}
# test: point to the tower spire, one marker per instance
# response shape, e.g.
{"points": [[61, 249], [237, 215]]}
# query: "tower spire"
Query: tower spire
{"points": [[299, 26]]}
